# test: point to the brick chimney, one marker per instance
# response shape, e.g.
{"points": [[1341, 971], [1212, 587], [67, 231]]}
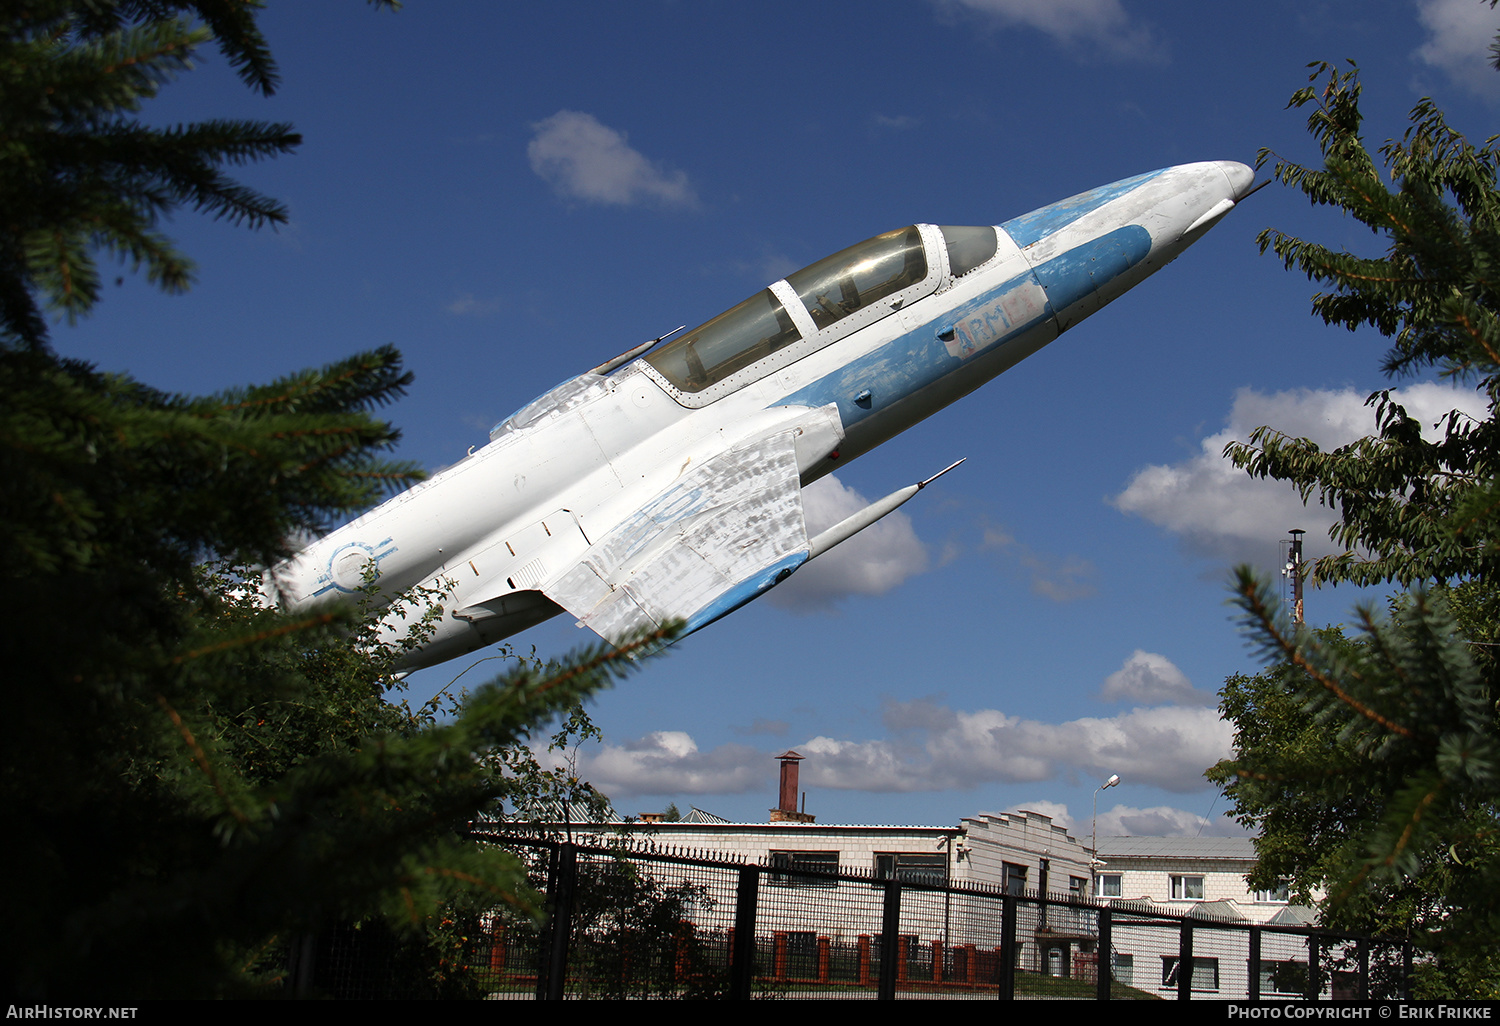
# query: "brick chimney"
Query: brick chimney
{"points": [[786, 810]]}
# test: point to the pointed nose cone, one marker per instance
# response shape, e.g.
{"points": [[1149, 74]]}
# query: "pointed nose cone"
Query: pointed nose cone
{"points": [[1088, 250], [1241, 178]]}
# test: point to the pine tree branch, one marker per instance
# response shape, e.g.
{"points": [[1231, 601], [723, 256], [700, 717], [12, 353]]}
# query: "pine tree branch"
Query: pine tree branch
{"points": [[1253, 601], [200, 757]]}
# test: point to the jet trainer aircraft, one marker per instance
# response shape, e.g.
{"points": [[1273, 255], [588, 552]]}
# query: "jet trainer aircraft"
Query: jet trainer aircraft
{"points": [[667, 485]]}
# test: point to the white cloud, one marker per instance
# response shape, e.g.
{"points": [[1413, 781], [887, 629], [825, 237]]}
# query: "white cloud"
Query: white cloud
{"points": [[871, 563], [669, 762], [1168, 747], [1152, 679], [585, 160], [934, 748], [1055, 811], [1124, 821], [1223, 513], [1164, 821], [1059, 578], [1096, 24], [467, 305], [1459, 36]]}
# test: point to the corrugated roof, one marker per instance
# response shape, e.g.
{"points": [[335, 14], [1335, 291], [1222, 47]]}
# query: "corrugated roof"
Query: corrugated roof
{"points": [[699, 816], [1177, 847], [1223, 911], [1294, 915]]}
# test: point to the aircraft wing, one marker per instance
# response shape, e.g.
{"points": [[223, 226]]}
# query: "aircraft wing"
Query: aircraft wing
{"points": [[721, 534]]}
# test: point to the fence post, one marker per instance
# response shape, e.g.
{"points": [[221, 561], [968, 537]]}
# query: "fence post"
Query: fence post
{"points": [[1252, 983], [1104, 958], [1185, 962], [301, 961], [1007, 948], [1313, 987], [1406, 970], [890, 938], [742, 946], [560, 885], [1362, 952]]}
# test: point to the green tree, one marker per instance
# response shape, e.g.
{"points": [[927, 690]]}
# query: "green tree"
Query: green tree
{"points": [[79, 173], [1411, 508], [1370, 766], [190, 781], [180, 785]]}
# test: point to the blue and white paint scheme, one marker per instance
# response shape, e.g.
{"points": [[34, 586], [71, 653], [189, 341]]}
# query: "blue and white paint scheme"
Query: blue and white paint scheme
{"points": [[666, 484]]}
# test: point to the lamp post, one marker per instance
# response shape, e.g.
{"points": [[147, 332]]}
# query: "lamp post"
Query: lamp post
{"points": [[1094, 863]]}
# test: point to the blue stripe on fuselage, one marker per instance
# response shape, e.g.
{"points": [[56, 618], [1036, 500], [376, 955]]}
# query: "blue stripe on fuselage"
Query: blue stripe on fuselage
{"points": [[1071, 276], [1037, 225], [911, 362]]}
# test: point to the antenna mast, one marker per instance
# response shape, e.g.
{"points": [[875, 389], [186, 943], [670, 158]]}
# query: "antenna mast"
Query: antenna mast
{"points": [[1293, 570]]}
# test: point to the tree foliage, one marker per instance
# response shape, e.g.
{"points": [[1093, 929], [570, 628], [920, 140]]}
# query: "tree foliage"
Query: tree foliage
{"points": [[1411, 507], [1371, 766], [187, 777], [189, 780]]}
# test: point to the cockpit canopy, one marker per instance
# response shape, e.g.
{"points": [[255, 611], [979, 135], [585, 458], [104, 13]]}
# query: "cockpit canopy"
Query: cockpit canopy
{"points": [[836, 286], [851, 281], [830, 290], [736, 338]]}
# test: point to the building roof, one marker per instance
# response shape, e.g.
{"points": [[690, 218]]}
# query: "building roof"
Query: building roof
{"points": [[699, 816], [1294, 915], [1223, 911], [1177, 847]]}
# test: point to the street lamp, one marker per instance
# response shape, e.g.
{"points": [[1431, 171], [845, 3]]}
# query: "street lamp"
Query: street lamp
{"points": [[1094, 863]]}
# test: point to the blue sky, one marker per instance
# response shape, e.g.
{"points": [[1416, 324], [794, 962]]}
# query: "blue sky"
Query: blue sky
{"points": [[513, 193]]}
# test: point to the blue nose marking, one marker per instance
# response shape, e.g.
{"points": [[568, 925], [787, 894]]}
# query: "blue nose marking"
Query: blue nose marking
{"points": [[1071, 276]]}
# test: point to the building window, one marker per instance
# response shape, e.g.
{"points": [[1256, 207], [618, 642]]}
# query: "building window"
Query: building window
{"points": [[1187, 888], [1013, 878], [1125, 969], [788, 868], [1277, 896], [911, 867], [1283, 978], [1078, 888], [1205, 973], [1109, 885]]}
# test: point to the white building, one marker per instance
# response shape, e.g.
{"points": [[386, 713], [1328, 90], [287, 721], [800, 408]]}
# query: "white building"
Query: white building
{"points": [[1186, 875], [1024, 853], [1202, 877]]}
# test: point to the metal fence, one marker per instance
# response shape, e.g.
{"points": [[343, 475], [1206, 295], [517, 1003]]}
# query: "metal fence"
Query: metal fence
{"points": [[633, 922]]}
